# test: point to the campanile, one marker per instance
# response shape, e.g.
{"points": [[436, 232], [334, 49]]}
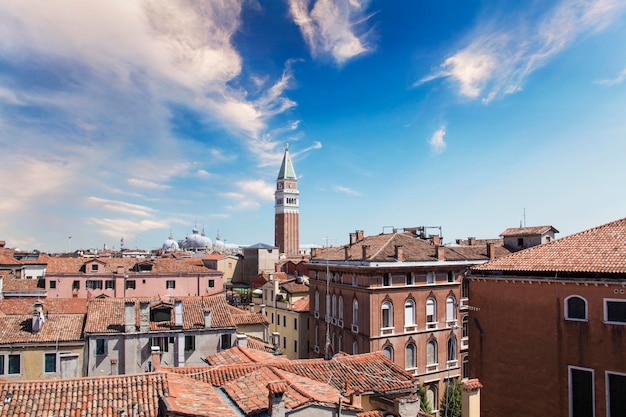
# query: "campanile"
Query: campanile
{"points": [[286, 208]]}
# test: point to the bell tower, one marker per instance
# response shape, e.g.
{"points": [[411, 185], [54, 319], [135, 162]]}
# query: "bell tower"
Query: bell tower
{"points": [[286, 209]]}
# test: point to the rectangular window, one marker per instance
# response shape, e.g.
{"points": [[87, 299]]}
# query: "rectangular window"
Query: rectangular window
{"points": [[430, 278], [109, 284], [451, 276], [295, 346], [94, 267], [170, 284], [615, 311], [295, 324], [50, 362], [93, 284], [272, 318], [284, 342], [1, 364], [284, 321], [386, 280], [101, 346], [130, 284], [211, 283], [409, 278], [161, 342], [616, 394], [190, 343], [226, 342], [15, 366], [76, 285], [52, 284], [581, 398]]}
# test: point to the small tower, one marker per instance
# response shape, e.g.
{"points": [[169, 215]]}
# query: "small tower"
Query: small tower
{"points": [[287, 205]]}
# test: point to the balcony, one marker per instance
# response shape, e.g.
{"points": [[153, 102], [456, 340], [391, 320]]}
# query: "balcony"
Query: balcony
{"points": [[464, 304], [464, 343]]}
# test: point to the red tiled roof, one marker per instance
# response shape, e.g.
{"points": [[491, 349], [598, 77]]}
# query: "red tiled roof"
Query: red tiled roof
{"points": [[382, 248], [50, 305], [8, 260], [527, 231], [107, 315], [13, 283], [187, 396], [238, 354], [242, 317], [601, 249], [62, 328], [295, 287], [302, 305]]}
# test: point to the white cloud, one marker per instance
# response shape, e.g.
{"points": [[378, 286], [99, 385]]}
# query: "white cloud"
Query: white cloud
{"points": [[117, 228], [345, 190], [497, 61], [258, 188], [122, 207], [330, 27], [436, 142], [613, 81], [141, 183]]}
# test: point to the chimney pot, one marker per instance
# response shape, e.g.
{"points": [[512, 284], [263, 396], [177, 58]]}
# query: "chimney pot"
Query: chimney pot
{"points": [[262, 308], [178, 313], [346, 252], [399, 253], [207, 319], [242, 340], [491, 250], [471, 241], [440, 252], [364, 249], [251, 307]]}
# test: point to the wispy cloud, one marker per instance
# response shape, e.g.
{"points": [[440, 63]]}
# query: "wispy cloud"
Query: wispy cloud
{"points": [[345, 190], [140, 183], [122, 207], [332, 27], [497, 61], [613, 81], [257, 188], [437, 142], [116, 228]]}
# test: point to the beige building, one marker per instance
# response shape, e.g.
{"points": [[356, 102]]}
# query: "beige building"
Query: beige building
{"points": [[286, 305], [230, 265], [40, 345]]}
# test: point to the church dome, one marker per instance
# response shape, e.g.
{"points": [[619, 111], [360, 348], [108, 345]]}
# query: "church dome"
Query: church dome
{"points": [[195, 241], [170, 245]]}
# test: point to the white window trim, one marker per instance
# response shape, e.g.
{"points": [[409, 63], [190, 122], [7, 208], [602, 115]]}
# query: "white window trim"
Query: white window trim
{"points": [[605, 301], [569, 388], [566, 312], [606, 387]]}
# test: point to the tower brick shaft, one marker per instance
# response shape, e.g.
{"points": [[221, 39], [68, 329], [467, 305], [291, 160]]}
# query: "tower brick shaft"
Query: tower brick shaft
{"points": [[287, 209]]}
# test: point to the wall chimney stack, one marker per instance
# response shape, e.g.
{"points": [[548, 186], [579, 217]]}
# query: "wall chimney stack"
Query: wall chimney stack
{"points": [[399, 253], [130, 320], [491, 250], [364, 249], [440, 253]]}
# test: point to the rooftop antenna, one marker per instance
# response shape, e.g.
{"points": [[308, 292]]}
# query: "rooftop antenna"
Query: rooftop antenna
{"points": [[524, 217]]}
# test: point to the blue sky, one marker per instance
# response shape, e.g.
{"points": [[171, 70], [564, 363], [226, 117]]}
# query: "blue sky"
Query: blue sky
{"points": [[131, 119]]}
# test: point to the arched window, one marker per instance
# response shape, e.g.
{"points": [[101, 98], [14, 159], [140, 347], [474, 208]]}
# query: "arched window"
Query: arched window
{"points": [[340, 307], [334, 342], [409, 313], [317, 335], [465, 367], [431, 396], [465, 288], [465, 328], [450, 310], [328, 305], [334, 305], [387, 314], [431, 353], [409, 356], [388, 352], [575, 308], [355, 348], [355, 312], [451, 349], [431, 310], [317, 301]]}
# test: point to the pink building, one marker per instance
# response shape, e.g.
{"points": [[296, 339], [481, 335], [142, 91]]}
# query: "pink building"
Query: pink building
{"points": [[129, 277]]}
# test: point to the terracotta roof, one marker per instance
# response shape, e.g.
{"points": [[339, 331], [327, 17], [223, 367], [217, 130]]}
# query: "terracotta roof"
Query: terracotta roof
{"points": [[8, 260], [382, 248], [242, 317], [293, 287], [601, 249], [62, 328], [259, 280], [13, 283], [187, 396], [215, 256], [527, 231], [302, 305], [50, 305], [107, 315], [471, 384], [238, 354]]}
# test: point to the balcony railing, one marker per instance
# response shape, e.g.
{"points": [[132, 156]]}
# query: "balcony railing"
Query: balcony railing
{"points": [[386, 331]]}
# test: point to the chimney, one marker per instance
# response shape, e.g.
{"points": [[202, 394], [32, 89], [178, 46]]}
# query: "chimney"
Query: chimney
{"points": [[262, 308], [155, 355], [276, 398], [346, 252], [470, 398], [364, 248], [440, 253], [144, 316], [207, 319], [276, 339], [178, 312], [399, 253], [471, 241], [130, 320], [407, 407], [38, 317], [315, 252], [435, 239], [359, 235], [242, 340], [491, 250], [120, 270]]}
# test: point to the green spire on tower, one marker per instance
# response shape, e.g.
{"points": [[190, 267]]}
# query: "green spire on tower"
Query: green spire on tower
{"points": [[286, 168]]}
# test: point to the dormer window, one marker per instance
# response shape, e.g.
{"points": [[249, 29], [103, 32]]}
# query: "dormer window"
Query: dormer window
{"points": [[161, 314], [94, 267]]}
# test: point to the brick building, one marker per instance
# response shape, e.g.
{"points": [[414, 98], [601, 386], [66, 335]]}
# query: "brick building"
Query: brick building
{"points": [[399, 293], [287, 209], [549, 328]]}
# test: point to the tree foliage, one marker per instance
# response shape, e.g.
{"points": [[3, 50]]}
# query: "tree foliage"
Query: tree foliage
{"points": [[424, 404], [451, 401]]}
